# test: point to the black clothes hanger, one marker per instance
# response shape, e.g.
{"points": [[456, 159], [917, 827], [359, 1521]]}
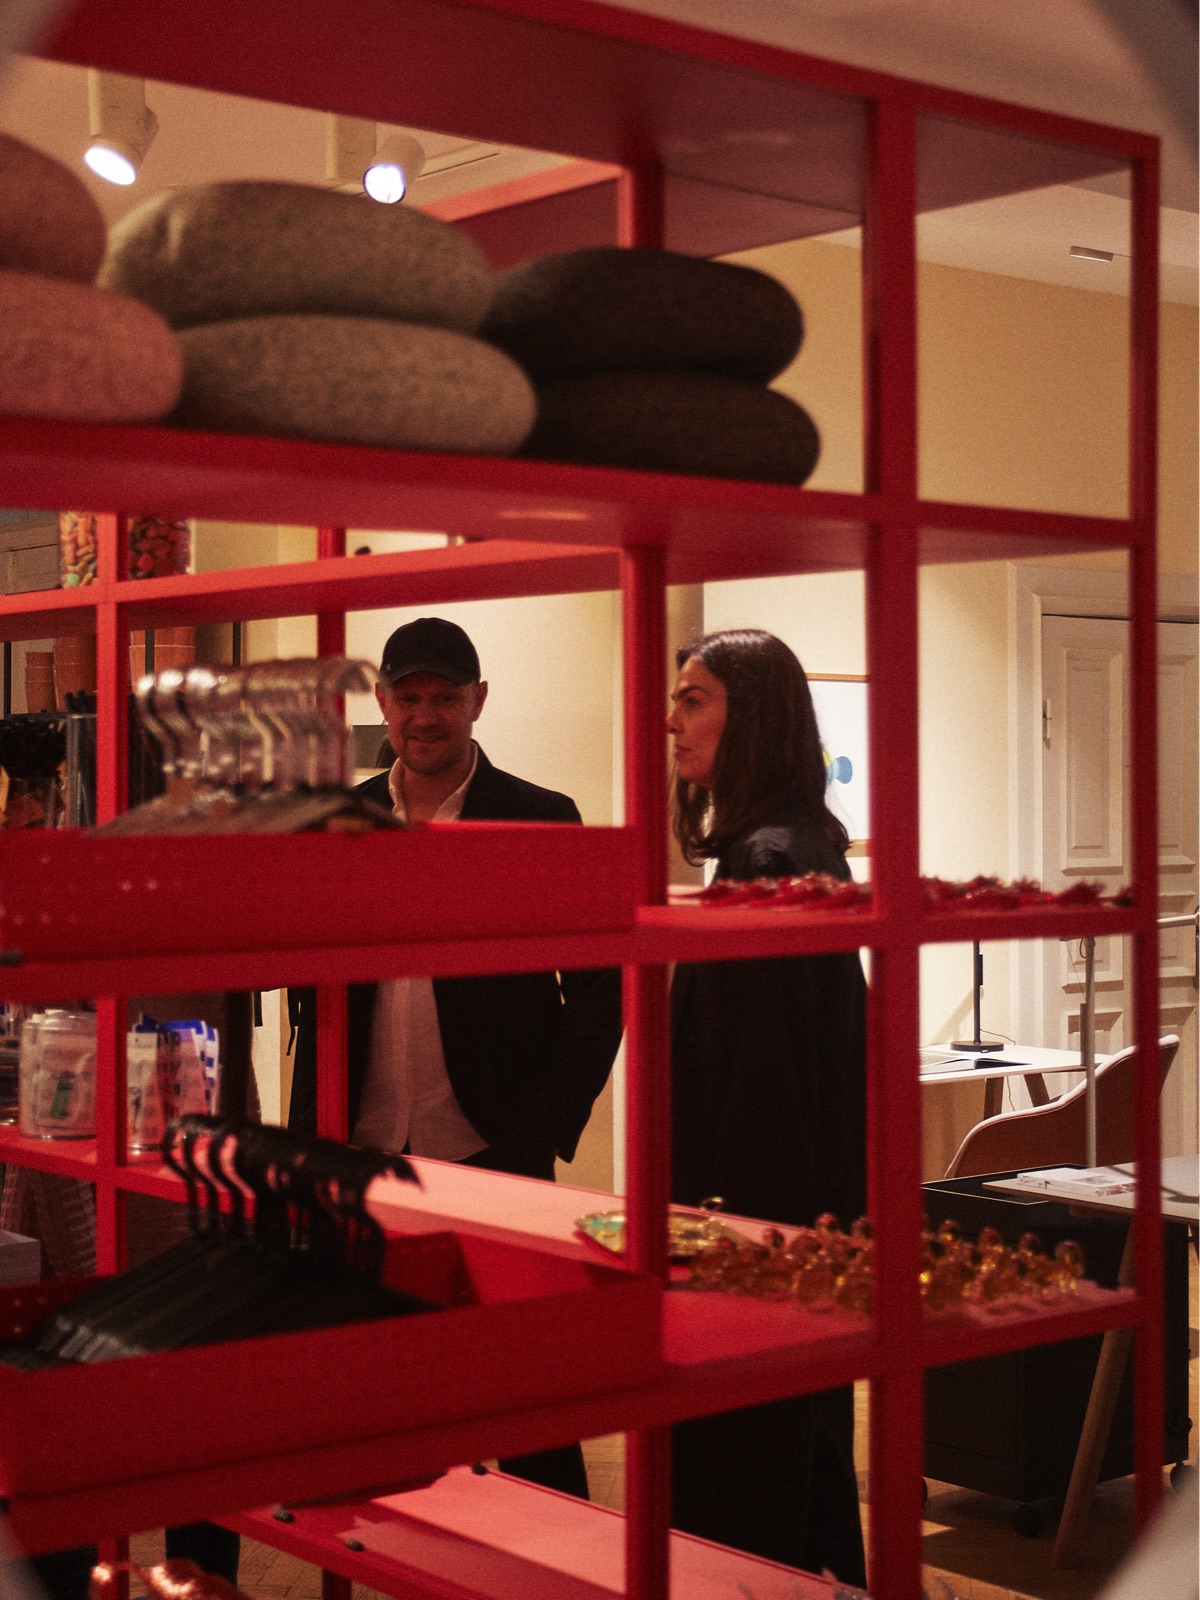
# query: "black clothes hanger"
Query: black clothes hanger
{"points": [[83, 1324], [306, 1255], [69, 1329]]}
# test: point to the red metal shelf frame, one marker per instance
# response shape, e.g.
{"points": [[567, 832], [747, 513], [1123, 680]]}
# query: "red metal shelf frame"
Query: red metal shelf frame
{"points": [[818, 145]]}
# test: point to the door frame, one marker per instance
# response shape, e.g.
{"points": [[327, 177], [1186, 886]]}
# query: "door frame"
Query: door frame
{"points": [[1033, 592]]}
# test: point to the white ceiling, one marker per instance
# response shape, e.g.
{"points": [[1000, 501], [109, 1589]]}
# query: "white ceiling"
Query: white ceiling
{"points": [[1068, 56]]}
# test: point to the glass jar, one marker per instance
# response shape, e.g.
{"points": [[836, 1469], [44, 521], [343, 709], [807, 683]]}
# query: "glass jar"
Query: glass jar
{"points": [[57, 1073], [77, 541], [159, 547]]}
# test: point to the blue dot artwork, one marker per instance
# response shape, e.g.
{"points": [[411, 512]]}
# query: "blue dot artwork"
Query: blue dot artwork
{"points": [[838, 769]]}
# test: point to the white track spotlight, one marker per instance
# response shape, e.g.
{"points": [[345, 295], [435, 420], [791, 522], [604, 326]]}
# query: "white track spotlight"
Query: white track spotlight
{"points": [[121, 125], [395, 166]]}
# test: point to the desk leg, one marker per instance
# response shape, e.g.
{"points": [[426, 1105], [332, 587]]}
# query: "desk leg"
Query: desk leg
{"points": [[993, 1097], [1039, 1095], [1114, 1352]]}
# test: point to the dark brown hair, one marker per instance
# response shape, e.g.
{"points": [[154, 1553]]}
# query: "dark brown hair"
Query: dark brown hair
{"points": [[769, 754]]}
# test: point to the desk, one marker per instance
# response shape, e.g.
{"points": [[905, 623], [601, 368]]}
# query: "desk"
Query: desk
{"points": [[1030, 1062], [1180, 1184]]}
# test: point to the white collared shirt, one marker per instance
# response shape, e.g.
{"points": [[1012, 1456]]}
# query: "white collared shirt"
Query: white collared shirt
{"points": [[407, 1100]]}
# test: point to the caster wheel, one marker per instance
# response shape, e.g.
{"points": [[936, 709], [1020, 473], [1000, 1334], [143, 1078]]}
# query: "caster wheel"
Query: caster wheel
{"points": [[1027, 1522], [1182, 1474]]}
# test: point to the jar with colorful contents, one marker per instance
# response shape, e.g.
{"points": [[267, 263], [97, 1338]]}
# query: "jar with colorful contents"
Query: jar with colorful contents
{"points": [[76, 548], [159, 547]]}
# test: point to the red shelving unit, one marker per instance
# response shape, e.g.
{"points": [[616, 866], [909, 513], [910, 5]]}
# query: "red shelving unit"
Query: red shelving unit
{"points": [[721, 144]]}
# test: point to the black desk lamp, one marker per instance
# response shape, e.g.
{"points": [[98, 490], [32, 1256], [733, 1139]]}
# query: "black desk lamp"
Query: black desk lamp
{"points": [[977, 1046]]}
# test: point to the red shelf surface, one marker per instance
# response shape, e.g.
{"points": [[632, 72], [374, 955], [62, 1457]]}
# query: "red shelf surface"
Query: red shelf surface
{"points": [[69, 893], [498, 1537], [711, 527], [660, 935], [302, 588]]}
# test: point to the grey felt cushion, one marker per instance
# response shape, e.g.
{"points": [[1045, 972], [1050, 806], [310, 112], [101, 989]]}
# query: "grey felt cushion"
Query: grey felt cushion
{"points": [[49, 223], [354, 380], [71, 351], [675, 422], [611, 310], [221, 250]]}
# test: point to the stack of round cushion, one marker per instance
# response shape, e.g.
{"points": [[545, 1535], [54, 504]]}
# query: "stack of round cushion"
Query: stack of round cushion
{"points": [[67, 349], [650, 359], [321, 315]]}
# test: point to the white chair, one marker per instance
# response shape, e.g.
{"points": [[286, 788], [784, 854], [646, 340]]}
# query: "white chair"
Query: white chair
{"points": [[1055, 1135]]}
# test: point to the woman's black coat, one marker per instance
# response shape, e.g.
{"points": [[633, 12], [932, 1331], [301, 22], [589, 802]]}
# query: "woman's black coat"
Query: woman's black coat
{"points": [[768, 1089], [768, 1076]]}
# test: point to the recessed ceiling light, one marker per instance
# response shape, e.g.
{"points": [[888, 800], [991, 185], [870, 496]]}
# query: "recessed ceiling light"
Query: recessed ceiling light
{"points": [[1085, 252]]}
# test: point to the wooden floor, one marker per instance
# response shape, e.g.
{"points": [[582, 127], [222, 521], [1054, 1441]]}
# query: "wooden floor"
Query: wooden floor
{"points": [[972, 1550]]}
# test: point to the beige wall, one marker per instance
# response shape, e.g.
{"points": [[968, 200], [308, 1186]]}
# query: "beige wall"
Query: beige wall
{"points": [[1022, 403], [1022, 390]]}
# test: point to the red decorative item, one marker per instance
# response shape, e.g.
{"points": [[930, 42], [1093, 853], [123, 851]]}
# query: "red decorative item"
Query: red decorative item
{"points": [[819, 891]]}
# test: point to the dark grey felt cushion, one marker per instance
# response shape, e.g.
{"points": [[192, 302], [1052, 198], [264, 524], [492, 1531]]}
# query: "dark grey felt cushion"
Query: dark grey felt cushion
{"points": [[354, 380], [78, 353], [49, 223], [675, 422], [216, 251], [611, 310]]}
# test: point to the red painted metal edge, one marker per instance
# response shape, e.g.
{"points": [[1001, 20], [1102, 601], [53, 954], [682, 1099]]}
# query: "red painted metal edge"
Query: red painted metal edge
{"points": [[894, 1142], [519, 38], [1143, 737]]}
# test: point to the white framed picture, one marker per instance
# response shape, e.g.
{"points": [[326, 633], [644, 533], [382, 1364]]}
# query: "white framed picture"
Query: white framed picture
{"points": [[840, 703]]}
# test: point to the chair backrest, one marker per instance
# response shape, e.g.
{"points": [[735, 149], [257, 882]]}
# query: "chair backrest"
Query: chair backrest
{"points": [[1055, 1135]]}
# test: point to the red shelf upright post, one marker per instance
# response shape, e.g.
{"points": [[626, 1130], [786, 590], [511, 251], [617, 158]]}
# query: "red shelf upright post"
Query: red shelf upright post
{"points": [[640, 223], [1143, 737], [112, 674], [112, 794], [890, 313], [332, 1069], [331, 625]]}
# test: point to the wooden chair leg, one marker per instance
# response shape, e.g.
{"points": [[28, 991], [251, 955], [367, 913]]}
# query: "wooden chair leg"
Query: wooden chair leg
{"points": [[1085, 1473], [1039, 1095]]}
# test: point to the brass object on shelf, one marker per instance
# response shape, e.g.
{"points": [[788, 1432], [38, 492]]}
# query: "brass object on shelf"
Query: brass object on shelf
{"points": [[689, 1231]]}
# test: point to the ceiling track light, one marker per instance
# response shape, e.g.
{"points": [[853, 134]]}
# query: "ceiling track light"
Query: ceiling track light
{"points": [[353, 163], [121, 126], [1085, 252], [394, 168]]}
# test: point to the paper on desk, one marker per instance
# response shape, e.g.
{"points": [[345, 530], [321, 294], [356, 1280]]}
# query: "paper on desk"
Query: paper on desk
{"points": [[1086, 1182]]}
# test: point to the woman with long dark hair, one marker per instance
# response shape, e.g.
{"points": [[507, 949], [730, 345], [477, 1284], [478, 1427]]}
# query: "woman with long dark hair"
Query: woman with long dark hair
{"points": [[768, 1084]]}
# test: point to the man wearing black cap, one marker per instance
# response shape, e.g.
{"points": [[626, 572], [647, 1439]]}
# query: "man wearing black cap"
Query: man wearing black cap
{"points": [[497, 1072]]}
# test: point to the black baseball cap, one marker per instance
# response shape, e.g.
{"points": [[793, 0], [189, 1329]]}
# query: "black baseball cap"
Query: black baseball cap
{"points": [[429, 644]]}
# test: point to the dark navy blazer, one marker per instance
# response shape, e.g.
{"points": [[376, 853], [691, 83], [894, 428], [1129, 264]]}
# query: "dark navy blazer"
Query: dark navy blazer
{"points": [[526, 1053]]}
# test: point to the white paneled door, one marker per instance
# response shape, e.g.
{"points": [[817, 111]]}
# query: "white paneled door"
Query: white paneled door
{"points": [[1085, 792]]}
